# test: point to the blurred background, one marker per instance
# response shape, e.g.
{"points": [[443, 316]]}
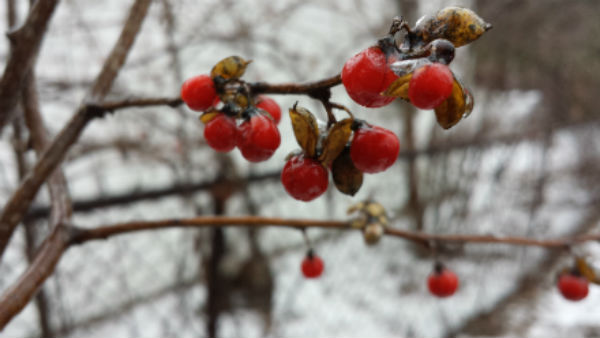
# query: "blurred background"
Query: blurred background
{"points": [[525, 163]]}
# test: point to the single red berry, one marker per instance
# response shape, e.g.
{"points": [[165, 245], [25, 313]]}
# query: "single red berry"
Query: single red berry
{"points": [[258, 138], [221, 133], [312, 266], [199, 92], [373, 149], [573, 287], [304, 178], [442, 282], [366, 75], [430, 85], [270, 106]]}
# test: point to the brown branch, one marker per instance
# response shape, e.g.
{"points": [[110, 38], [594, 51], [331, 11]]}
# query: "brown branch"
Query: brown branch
{"points": [[19, 202], [294, 88], [136, 196], [16, 297], [81, 235], [25, 44]]}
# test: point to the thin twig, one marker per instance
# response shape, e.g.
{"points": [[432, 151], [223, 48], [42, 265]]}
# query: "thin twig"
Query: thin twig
{"points": [[81, 235]]}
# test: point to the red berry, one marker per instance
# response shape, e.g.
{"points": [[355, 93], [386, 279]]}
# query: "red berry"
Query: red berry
{"points": [[573, 287], [258, 138], [442, 282], [199, 92], [221, 133], [430, 85], [304, 178], [312, 266], [270, 106], [374, 149], [366, 75]]}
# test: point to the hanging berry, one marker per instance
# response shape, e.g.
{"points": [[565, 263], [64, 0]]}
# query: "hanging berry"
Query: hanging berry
{"points": [[573, 286], [304, 178], [373, 149], [221, 133], [442, 282], [312, 266], [258, 137], [366, 75], [430, 85], [199, 92]]}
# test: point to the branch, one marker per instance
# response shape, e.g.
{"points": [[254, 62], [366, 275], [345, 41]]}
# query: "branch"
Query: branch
{"points": [[81, 235], [136, 196], [25, 44], [19, 202], [309, 88], [16, 297]]}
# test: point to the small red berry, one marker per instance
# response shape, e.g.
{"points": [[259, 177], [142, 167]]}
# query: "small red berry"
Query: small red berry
{"points": [[373, 149], [366, 75], [312, 266], [573, 287], [221, 133], [270, 106], [304, 178], [258, 138], [442, 282], [430, 85], [199, 92]]}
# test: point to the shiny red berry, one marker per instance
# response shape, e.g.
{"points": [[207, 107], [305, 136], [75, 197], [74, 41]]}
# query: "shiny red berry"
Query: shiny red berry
{"points": [[366, 75], [221, 133], [442, 282], [430, 85], [270, 106], [258, 138], [304, 178], [373, 149], [199, 92], [312, 266], [573, 287]]}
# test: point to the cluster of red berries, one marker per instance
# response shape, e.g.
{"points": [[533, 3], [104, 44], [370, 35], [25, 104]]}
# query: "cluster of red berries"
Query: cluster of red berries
{"points": [[256, 136], [368, 74], [372, 149]]}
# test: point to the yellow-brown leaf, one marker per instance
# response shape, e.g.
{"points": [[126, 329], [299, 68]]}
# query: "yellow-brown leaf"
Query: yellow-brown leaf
{"points": [[232, 67], [449, 112], [336, 140], [399, 88], [459, 25], [306, 129]]}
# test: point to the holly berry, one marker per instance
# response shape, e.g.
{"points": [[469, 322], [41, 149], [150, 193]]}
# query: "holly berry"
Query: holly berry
{"points": [[199, 92], [258, 138], [312, 265], [430, 85], [221, 133], [442, 282], [572, 286], [366, 75], [304, 178], [270, 106], [373, 149]]}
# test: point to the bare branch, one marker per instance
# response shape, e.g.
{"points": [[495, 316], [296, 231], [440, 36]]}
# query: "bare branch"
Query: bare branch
{"points": [[19, 202], [26, 42], [81, 235]]}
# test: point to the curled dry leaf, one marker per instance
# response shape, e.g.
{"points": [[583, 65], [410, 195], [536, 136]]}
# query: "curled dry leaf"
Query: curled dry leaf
{"points": [[399, 88], [456, 24], [346, 177], [336, 140], [306, 129], [209, 115], [457, 106], [232, 67], [587, 271]]}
